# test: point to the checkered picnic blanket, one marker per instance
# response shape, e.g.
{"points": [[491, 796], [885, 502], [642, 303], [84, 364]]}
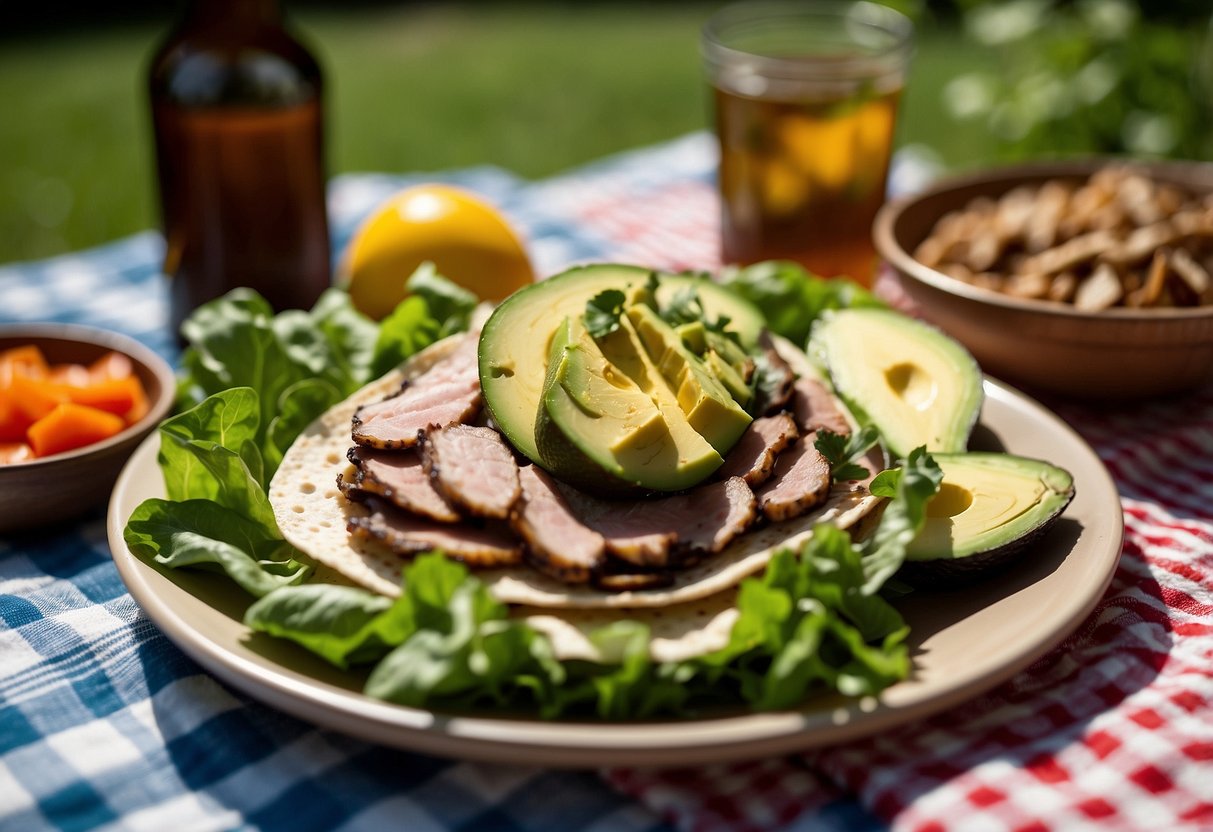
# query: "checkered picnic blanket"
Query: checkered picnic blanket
{"points": [[103, 723]]}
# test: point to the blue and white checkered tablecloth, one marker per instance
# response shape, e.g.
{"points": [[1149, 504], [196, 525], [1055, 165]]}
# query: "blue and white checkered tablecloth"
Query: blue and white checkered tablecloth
{"points": [[104, 724]]}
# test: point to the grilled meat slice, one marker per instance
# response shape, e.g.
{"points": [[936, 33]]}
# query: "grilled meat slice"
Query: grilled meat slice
{"points": [[557, 543], [672, 531], [775, 391], [632, 532], [722, 511], [816, 408], [400, 477], [801, 481], [407, 534], [473, 469], [447, 393], [753, 457]]}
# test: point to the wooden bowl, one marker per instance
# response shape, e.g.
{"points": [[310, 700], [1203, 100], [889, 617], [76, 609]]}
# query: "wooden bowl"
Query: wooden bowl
{"points": [[63, 486], [1113, 354]]}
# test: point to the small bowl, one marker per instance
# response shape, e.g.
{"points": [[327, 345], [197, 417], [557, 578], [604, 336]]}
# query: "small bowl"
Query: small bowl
{"points": [[1113, 354], [60, 487]]}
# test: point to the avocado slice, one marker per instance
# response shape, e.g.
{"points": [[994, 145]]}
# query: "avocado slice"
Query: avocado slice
{"points": [[730, 377], [709, 407], [515, 340], [605, 410], [989, 507], [917, 385], [694, 336], [723, 356]]}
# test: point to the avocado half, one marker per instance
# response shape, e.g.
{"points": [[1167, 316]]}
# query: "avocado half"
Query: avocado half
{"points": [[917, 385], [990, 506], [517, 338], [606, 426]]}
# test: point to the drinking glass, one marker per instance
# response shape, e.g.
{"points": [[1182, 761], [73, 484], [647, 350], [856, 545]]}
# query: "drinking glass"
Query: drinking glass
{"points": [[805, 97]]}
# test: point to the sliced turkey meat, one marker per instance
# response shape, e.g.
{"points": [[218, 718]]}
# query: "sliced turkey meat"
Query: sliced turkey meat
{"points": [[399, 477], [801, 480], [557, 542], [473, 469], [447, 393], [407, 534], [753, 457], [816, 408]]}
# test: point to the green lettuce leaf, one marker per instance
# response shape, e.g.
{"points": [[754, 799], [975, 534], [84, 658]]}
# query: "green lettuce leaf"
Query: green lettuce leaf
{"points": [[350, 335], [299, 405], [210, 453], [903, 518], [791, 298], [434, 308], [409, 329], [464, 651], [449, 303], [201, 533], [343, 624]]}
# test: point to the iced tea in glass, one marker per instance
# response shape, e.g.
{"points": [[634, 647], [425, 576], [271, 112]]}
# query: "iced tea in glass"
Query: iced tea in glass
{"points": [[805, 99]]}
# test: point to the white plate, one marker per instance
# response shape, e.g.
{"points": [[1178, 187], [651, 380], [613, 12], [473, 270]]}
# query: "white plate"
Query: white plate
{"points": [[963, 642]]}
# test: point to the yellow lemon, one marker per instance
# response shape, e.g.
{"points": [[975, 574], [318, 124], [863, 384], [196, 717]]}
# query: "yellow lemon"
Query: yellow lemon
{"points": [[466, 239]]}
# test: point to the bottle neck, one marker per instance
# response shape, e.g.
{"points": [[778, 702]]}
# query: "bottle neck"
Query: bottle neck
{"points": [[233, 14]]}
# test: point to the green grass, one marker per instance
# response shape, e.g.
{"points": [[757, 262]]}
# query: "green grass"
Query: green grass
{"points": [[535, 89]]}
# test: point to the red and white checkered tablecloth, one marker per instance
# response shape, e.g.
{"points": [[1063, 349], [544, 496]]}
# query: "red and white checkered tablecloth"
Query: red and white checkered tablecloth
{"points": [[1111, 730]]}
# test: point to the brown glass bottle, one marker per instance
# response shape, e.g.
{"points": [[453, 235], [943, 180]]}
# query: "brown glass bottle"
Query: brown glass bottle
{"points": [[236, 110]]}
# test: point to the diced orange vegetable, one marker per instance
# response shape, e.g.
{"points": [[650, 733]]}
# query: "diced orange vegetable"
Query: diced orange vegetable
{"points": [[112, 365], [35, 397], [47, 410], [13, 421], [15, 452], [71, 426], [71, 375], [139, 407], [118, 396], [26, 361]]}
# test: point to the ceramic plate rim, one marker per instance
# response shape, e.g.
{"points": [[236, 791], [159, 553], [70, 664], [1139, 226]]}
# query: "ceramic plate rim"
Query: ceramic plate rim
{"points": [[649, 743]]}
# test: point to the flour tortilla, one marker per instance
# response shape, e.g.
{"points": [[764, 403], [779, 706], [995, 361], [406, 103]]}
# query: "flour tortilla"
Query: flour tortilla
{"points": [[677, 632], [312, 515]]}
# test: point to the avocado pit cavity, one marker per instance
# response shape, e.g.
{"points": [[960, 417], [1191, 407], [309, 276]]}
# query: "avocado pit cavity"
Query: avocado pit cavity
{"points": [[912, 385]]}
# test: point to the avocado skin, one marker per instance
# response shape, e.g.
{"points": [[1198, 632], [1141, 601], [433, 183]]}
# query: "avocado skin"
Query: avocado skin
{"points": [[972, 557], [955, 572]]}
